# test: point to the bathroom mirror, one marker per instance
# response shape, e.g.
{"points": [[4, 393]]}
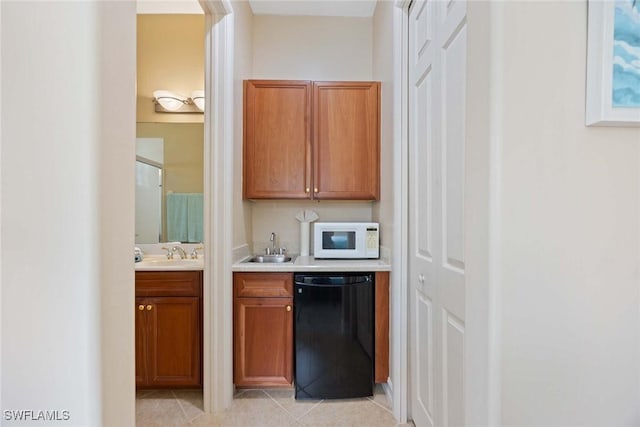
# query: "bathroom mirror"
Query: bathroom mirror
{"points": [[169, 146], [169, 182]]}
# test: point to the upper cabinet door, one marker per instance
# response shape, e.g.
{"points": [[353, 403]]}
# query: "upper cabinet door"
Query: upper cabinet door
{"points": [[346, 140], [277, 139]]}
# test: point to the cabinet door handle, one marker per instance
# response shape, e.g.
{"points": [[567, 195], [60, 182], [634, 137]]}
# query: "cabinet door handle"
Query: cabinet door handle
{"points": [[141, 307], [149, 307], [306, 190], [288, 308], [315, 190]]}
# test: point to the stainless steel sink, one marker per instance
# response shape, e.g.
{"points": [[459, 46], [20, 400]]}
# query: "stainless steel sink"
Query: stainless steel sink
{"points": [[270, 258]]}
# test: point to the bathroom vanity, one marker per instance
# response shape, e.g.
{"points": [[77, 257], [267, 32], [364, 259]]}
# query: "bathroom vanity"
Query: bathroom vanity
{"points": [[168, 307]]}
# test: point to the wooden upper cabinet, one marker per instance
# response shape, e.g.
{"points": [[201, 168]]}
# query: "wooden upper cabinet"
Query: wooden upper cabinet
{"points": [[346, 140], [277, 139], [283, 120]]}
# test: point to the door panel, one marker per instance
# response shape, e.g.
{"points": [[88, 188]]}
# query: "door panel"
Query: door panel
{"points": [[424, 356], [423, 165], [277, 139], [453, 51], [174, 341], [346, 143], [423, 19], [263, 341], [141, 343], [453, 359], [437, 77], [453, 138]]}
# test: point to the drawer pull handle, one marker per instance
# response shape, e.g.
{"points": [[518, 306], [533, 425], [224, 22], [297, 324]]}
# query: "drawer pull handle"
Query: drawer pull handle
{"points": [[149, 307], [288, 308]]}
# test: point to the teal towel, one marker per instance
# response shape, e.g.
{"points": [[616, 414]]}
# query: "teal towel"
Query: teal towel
{"points": [[176, 217], [195, 217], [184, 217]]}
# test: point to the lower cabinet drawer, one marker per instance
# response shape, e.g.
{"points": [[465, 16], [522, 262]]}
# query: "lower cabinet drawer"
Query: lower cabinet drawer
{"points": [[265, 285], [168, 283]]}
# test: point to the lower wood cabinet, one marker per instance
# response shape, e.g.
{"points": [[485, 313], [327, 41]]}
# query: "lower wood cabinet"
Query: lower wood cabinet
{"points": [[168, 329], [263, 329]]}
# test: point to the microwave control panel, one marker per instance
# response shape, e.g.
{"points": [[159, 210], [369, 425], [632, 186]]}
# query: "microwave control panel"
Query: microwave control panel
{"points": [[372, 239]]}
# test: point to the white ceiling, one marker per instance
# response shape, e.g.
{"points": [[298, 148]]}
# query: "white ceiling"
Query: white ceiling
{"points": [[168, 6], [357, 8]]}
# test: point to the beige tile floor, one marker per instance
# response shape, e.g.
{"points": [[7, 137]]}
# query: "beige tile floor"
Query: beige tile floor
{"points": [[254, 408]]}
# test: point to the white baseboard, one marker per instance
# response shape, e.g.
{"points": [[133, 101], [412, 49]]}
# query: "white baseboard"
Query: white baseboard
{"points": [[388, 391]]}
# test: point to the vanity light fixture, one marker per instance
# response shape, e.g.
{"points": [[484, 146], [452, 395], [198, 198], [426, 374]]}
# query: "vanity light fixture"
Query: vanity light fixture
{"points": [[197, 96], [171, 102]]}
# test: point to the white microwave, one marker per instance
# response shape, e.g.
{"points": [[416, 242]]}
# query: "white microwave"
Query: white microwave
{"points": [[354, 240]]}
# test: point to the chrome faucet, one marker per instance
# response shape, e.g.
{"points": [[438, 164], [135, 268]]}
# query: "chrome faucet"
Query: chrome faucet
{"points": [[273, 250], [183, 254], [272, 239], [194, 252]]}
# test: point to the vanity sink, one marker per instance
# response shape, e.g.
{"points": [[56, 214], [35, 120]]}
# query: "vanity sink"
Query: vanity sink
{"points": [[270, 259]]}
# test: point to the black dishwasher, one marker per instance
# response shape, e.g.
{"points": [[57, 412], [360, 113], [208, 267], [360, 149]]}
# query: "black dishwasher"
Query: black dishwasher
{"points": [[334, 333]]}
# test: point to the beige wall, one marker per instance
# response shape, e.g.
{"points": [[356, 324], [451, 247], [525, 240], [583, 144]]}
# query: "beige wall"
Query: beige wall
{"points": [[308, 48], [67, 182], [279, 217], [170, 56], [243, 57], [117, 205], [480, 313], [311, 48], [569, 232], [383, 71], [384, 38]]}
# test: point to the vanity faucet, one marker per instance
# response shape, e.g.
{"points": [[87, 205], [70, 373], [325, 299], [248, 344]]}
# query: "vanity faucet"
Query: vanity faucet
{"points": [[194, 252], [183, 254]]}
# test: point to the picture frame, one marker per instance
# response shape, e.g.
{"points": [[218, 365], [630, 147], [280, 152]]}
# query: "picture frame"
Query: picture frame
{"points": [[613, 63]]}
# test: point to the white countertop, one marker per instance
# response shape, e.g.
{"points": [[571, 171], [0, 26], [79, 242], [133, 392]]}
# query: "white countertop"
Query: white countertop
{"points": [[161, 263], [310, 264]]}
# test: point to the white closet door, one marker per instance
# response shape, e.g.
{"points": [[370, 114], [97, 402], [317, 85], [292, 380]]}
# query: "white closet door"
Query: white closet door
{"points": [[437, 78]]}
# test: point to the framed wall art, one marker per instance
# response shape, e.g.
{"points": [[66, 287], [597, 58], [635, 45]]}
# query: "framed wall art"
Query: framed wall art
{"points": [[613, 63]]}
